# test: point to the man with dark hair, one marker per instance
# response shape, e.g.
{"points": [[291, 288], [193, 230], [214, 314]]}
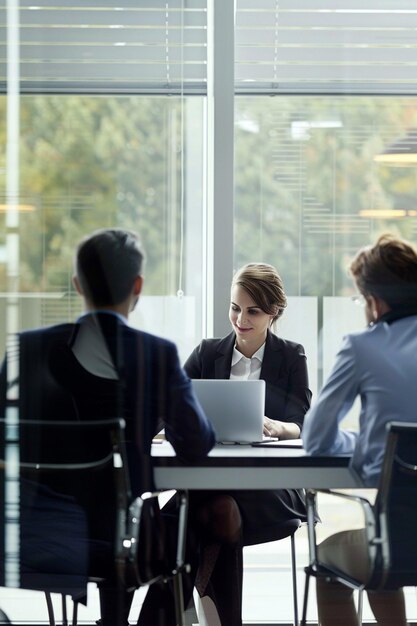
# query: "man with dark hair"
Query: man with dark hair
{"points": [[107, 264], [100, 368], [378, 365]]}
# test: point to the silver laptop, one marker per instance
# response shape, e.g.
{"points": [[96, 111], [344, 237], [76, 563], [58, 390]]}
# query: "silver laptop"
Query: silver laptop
{"points": [[235, 408]]}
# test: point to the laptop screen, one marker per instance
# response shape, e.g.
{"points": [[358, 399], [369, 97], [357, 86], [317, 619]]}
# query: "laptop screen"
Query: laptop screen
{"points": [[235, 408]]}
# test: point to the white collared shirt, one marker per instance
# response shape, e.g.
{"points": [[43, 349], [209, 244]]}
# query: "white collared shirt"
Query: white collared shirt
{"points": [[244, 368]]}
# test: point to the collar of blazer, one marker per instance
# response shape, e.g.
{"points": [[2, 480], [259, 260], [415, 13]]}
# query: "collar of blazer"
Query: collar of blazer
{"points": [[398, 314], [271, 364]]}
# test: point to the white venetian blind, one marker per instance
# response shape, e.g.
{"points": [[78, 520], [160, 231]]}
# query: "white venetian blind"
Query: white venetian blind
{"points": [[313, 46], [94, 46]]}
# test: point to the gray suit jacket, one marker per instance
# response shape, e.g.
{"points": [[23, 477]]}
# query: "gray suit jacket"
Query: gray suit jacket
{"points": [[379, 365]]}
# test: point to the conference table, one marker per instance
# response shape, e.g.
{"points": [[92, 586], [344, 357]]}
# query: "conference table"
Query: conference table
{"points": [[252, 467]]}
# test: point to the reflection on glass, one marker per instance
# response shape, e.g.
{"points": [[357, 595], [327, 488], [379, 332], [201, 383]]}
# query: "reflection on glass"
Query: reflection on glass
{"points": [[309, 193], [91, 162], [308, 190], [359, 300]]}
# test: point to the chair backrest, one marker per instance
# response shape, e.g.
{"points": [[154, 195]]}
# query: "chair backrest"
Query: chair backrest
{"points": [[70, 487], [396, 507]]}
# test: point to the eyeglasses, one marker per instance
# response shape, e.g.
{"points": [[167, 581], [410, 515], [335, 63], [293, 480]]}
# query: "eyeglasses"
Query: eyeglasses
{"points": [[359, 300]]}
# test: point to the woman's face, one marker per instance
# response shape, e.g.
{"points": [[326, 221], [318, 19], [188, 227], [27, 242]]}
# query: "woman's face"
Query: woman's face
{"points": [[249, 322]]}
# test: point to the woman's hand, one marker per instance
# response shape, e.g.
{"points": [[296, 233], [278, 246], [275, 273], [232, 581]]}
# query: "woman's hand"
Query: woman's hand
{"points": [[282, 430]]}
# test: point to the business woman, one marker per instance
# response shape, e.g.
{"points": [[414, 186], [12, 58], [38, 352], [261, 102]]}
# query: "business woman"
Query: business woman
{"points": [[226, 521]]}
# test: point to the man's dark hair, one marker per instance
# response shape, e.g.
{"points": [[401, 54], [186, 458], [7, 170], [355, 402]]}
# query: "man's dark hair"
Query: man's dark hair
{"points": [[107, 263], [388, 270]]}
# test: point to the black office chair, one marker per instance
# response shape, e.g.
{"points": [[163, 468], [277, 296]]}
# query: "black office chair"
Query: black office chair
{"points": [[75, 513], [390, 523]]}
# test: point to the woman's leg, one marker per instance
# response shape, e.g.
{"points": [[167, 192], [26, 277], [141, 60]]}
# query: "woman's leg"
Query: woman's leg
{"points": [[219, 519], [225, 585], [335, 604], [388, 607], [347, 551], [214, 523], [220, 572], [158, 608]]}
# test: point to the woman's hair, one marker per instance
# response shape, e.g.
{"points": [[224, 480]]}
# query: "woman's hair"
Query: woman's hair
{"points": [[387, 270], [265, 287]]}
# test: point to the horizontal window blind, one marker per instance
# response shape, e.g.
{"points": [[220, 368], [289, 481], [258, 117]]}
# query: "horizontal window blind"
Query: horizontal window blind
{"points": [[313, 46], [156, 46], [88, 46]]}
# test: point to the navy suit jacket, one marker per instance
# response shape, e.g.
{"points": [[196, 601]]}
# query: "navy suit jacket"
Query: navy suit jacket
{"points": [[152, 392], [284, 369]]}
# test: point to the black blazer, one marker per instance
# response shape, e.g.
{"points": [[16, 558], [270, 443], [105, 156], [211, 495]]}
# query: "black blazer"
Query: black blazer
{"points": [[284, 369]]}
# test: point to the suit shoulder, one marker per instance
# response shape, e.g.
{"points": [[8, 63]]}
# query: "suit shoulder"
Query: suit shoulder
{"points": [[150, 339], [56, 330], [362, 338], [215, 345], [211, 343], [290, 347]]}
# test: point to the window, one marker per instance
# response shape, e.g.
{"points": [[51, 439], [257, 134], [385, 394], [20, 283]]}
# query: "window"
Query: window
{"points": [[323, 89], [311, 183], [132, 158], [310, 191]]}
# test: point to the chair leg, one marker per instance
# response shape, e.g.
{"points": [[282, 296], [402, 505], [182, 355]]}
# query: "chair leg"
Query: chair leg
{"points": [[50, 607], [360, 605], [305, 601], [294, 580], [179, 599], [64, 610], [75, 614]]}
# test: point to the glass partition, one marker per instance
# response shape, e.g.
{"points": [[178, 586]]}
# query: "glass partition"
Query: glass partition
{"points": [[88, 162], [311, 188]]}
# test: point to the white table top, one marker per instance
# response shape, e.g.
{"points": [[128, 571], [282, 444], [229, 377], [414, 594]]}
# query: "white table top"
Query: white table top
{"points": [[246, 467]]}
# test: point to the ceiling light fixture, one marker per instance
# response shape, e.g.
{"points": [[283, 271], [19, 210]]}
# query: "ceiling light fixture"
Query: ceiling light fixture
{"points": [[401, 152], [22, 208], [387, 214]]}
